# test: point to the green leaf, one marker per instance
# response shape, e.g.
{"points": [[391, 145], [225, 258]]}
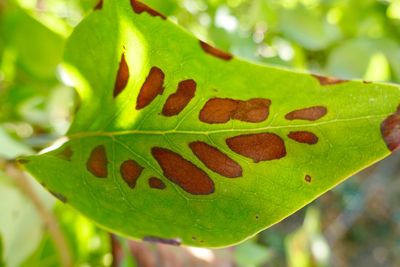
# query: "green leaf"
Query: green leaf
{"points": [[38, 57], [364, 58], [308, 29], [253, 145]]}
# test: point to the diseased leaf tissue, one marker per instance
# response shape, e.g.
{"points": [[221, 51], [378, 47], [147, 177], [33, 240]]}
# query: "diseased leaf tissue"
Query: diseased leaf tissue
{"points": [[176, 141]]}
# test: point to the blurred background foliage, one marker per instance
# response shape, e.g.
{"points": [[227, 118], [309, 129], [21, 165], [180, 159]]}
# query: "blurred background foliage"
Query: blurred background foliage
{"points": [[356, 224]]}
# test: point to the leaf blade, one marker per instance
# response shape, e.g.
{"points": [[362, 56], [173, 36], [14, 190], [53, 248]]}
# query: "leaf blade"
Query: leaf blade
{"points": [[272, 186]]}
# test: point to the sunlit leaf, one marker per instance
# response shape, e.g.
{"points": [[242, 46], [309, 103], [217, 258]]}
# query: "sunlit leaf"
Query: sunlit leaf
{"points": [[36, 49], [176, 141]]}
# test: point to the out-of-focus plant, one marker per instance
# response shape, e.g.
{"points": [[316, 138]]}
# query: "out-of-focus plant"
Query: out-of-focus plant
{"points": [[307, 246]]}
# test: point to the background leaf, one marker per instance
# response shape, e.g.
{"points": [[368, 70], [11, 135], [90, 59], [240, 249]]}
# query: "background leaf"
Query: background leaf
{"points": [[11, 148], [16, 210]]}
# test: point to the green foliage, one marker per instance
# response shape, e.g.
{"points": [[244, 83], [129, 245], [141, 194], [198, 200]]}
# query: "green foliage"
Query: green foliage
{"points": [[10, 147], [32, 66], [86, 243], [107, 132], [307, 247]]}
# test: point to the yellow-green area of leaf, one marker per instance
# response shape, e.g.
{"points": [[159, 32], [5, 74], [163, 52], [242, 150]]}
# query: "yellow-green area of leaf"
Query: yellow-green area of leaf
{"points": [[178, 142]]}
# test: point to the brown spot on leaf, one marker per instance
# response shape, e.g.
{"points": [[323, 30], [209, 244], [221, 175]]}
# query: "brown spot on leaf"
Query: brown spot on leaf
{"points": [[310, 114], [156, 183], [253, 110], [65, 154], [130, 171], [324, 80], [97, 162], [215, 51], [390, 130], [176, 102], [307, 178], [99, 5], [59, 196], [122, 76], [155, 239], [258, 147], [221, 110], [182, 172], [152, 86], [218, 110], [215, 160], [139, 7], [304, 137]]}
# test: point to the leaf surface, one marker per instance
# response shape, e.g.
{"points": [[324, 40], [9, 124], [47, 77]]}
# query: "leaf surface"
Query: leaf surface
{"points": [[176, 141]]}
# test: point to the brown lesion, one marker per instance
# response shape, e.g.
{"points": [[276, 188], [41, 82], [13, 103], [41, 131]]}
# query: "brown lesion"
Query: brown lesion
{"points": [[177, 101], [216, 160], [221, 110], [156, 183], [97, 163], [99, 5], [139, 7], [304, 137], [122, 76], [215, 51], [310, 114], [156, 239], [59, 196], [130, 171], [151, 88], [390, 130], [218, 110], [65, 154], [307, 178], [325, 80], [182, 172], [258, 147], [253, 110]]}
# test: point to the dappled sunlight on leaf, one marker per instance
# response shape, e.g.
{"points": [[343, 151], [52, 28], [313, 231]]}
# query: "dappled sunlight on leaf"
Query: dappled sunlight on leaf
{"points": [[152, 94]]}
